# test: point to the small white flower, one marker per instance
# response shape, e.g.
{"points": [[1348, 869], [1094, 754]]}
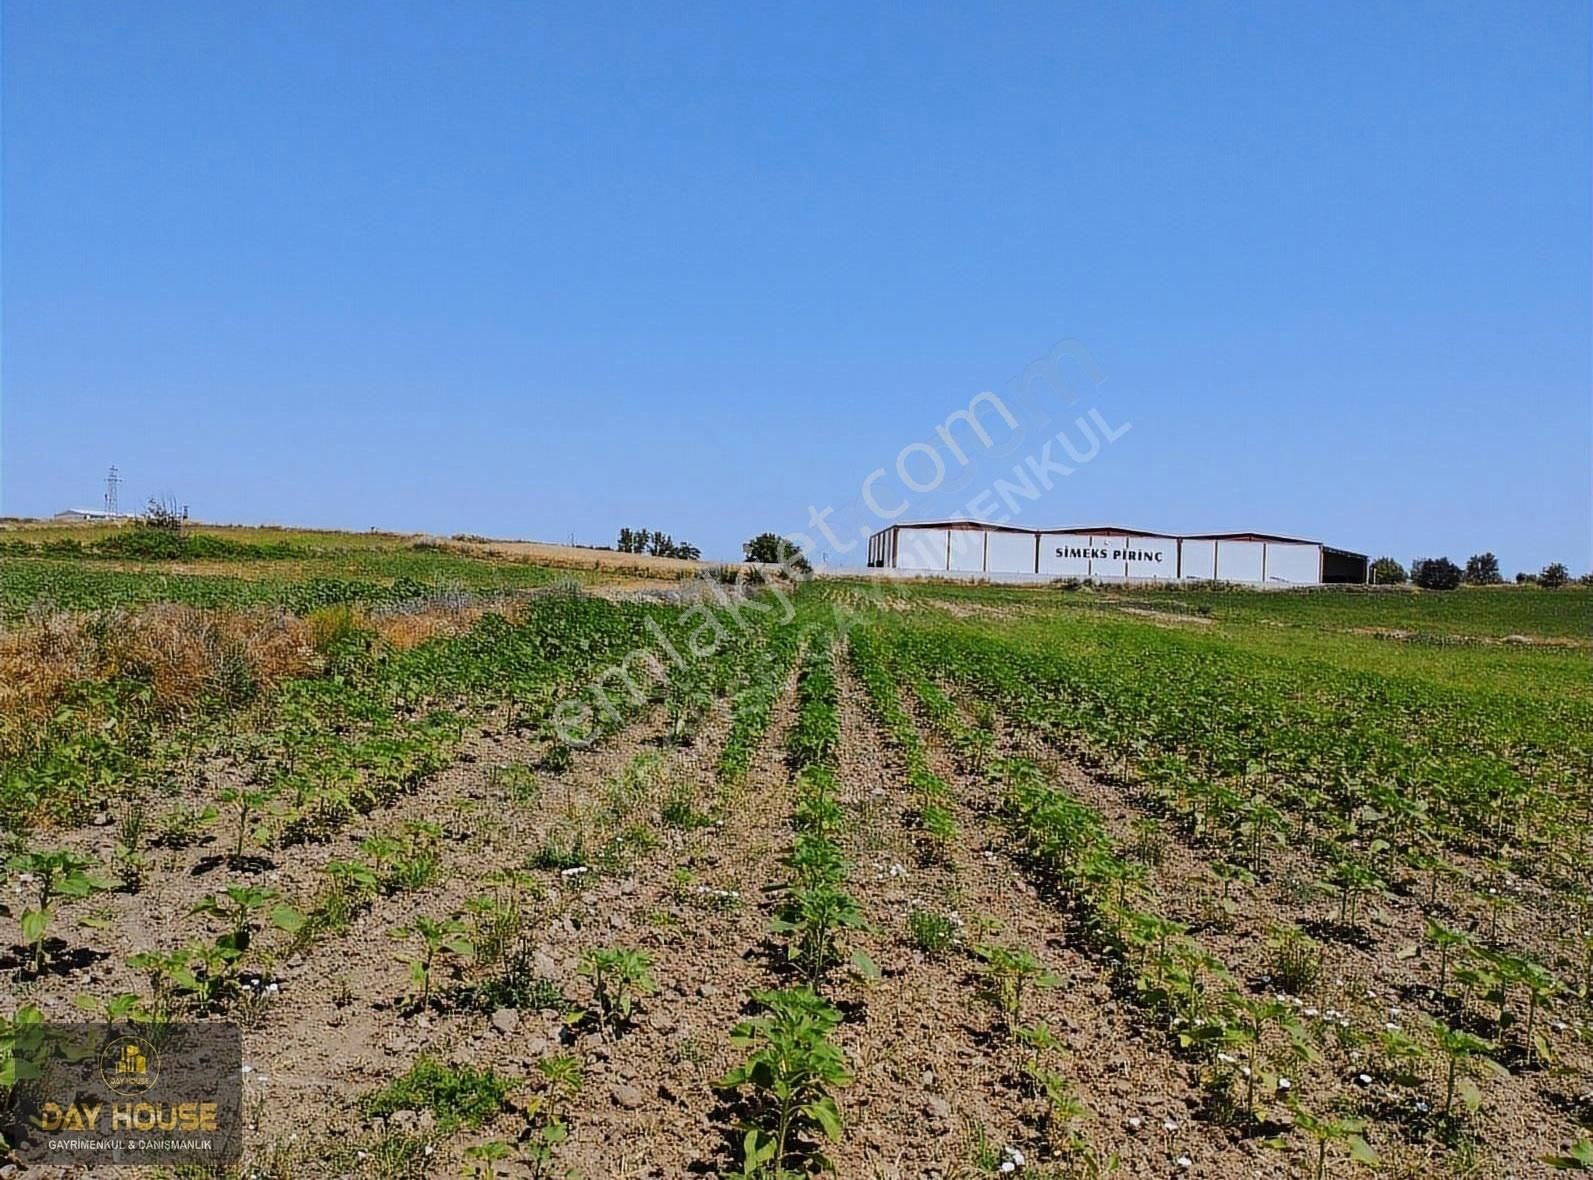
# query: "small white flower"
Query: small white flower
{"points": [[1285, 1084]]}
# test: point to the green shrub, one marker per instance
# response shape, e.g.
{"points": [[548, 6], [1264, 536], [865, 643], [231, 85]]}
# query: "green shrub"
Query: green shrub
{"points": [[931, 933], [458, 1096]]}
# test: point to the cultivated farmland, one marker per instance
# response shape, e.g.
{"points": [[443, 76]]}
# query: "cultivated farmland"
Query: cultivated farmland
{"points": [[923, 881]]}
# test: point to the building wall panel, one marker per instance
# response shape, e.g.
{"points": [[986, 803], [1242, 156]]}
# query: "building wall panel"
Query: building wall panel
{"points": [[921, 549], [1065, 555], [1199, 560], [1011, 553], [1298, 565], [1146, 556], [1239, 561], [967, 549]]}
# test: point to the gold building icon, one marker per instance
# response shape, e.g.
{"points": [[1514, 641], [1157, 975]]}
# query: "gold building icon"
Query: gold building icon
{"points": [[129, 1065]]}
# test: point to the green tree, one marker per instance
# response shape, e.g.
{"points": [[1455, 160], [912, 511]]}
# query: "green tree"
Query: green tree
{"points": [[773, 549], [1553, 576], [1482, 569], [1388, 572], [1435, 573]]}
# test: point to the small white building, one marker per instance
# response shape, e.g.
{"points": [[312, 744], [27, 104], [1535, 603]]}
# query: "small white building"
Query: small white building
{"points": [[1109, 553], [80, 514]]}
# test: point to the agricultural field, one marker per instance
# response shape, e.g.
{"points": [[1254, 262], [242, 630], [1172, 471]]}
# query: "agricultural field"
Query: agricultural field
{"points": [[880, 880]]}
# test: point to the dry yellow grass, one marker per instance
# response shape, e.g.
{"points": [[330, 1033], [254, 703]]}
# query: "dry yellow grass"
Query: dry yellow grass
{"points": [[403, 631], [185, 655], [605, 561], [182, 654]]}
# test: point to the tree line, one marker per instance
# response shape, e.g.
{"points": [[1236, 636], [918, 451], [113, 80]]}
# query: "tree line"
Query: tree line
{"points": [[1481, 569], [769, 548], [655, 544]]}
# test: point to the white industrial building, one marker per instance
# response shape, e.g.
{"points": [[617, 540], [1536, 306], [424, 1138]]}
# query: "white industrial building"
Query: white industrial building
{"points": [[1004, 552]]}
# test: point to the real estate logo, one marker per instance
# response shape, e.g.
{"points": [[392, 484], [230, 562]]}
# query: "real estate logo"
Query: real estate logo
{"points": [[127, 1093], [129, 1065]]}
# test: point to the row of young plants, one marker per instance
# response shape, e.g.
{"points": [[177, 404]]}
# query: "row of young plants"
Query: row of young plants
{"points": [[480, 958], [592, 838], [793, 1069], [1242, 770], [1246, 1042], [933, 814], [1009, 973], [1424, 1079], [1479, 768], [408, 858], [765, 668], [484, 958]]}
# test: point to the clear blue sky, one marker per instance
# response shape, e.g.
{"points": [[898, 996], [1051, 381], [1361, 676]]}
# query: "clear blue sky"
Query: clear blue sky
{"points": [[537, 270]]}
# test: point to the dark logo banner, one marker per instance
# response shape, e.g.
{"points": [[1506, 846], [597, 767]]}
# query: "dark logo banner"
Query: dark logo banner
{"points": [[134, 1094]]}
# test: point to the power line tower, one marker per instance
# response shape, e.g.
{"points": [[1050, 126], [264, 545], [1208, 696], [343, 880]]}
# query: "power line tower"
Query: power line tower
{"points": [[112, 482]]}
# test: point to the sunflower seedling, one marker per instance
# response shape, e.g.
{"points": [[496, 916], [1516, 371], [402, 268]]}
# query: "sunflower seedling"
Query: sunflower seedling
{"points": [[438, 940], [1324, 1131], [563, 1075], [619, 977], [1009, 975], [792, 1069], [816, 916], [52, 874], [1464, 1054], [237, 906], [247, 805]]}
